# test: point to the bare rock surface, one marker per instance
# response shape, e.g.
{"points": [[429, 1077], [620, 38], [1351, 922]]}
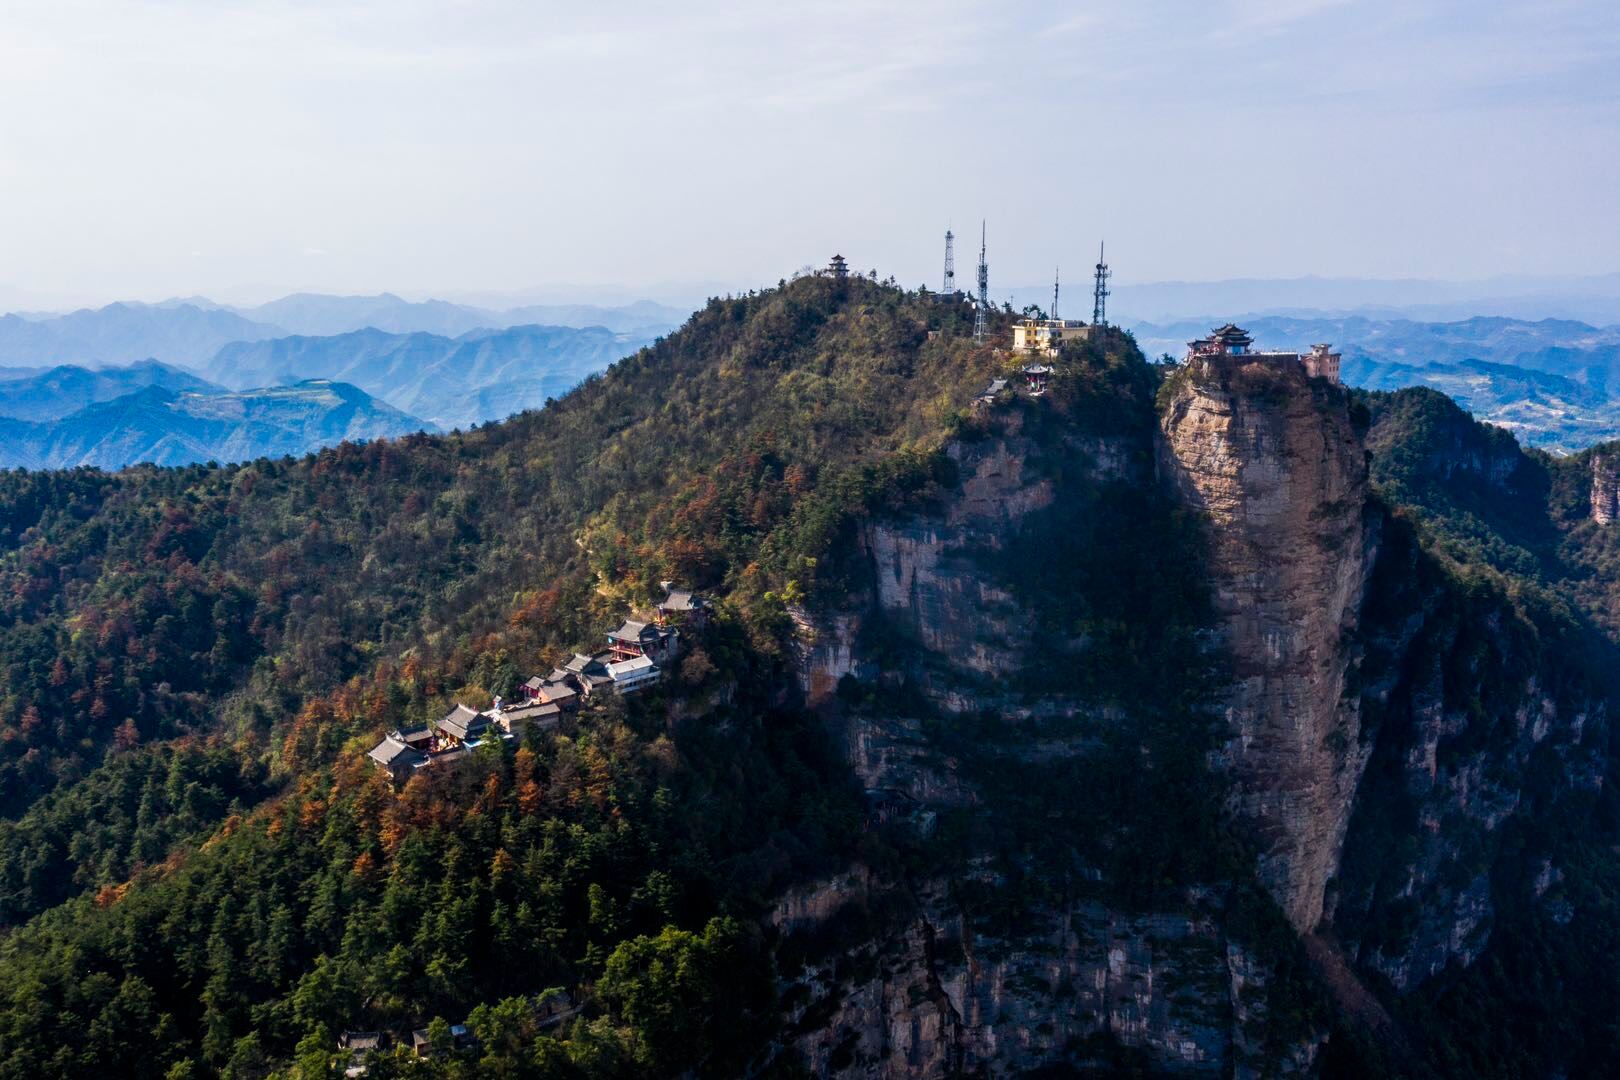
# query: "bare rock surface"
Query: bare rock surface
{"points": [[1272, 459]]}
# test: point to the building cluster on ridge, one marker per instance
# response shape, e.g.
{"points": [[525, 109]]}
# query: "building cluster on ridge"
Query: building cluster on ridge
{"points": [[630, 663]]}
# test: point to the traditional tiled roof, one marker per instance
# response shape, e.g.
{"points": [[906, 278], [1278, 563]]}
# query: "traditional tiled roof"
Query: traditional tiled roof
{"points": [[634, 631], [557, 691], [463, 723], [534, 682], [392, 753], [680, 600], [543, 713]]}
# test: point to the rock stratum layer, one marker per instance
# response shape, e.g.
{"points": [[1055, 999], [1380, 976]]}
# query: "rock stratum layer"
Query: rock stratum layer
{"points": [[1272, 459]]}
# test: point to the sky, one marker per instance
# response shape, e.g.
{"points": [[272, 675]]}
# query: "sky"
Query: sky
{"points": [[153, 148]]}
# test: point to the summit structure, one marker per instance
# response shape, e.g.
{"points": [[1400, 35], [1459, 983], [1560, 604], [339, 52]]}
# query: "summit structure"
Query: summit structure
{"points": [[1231, 340], [1099, 290], [984, 290], [1045, 337]]}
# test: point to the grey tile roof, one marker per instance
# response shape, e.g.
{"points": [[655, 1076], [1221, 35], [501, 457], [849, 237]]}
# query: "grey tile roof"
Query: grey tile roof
{"points": [[635, 631], [557, 691], [463, 723], [393, 753]]}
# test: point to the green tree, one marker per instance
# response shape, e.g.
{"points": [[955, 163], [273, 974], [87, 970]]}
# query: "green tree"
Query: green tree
{"points": [[688, 998]]}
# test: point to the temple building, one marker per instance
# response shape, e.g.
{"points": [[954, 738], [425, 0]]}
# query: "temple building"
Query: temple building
{"points": [[636, 638], [1230, 340], [682, 605]]}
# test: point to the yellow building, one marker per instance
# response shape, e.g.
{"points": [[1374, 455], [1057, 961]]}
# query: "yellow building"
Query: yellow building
{"points": [[1045, 336]]}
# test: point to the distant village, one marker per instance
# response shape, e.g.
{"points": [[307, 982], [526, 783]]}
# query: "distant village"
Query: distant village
{"points": [[629, 664]]}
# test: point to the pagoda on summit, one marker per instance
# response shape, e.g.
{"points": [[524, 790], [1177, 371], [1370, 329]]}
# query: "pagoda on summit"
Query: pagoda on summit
{"points": [[1228, 340]]}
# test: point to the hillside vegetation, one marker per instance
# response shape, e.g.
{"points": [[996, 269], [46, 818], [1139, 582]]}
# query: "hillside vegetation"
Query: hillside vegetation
{"points": [[285, 613]]}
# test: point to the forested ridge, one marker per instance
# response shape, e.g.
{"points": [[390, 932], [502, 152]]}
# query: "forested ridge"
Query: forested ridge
{"points": [[194, 659], [201, 874]]}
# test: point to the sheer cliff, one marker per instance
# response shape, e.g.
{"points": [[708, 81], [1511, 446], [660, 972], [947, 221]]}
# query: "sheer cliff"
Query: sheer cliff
{"points": [[1273, 462], [1384, 729], [1029, 683]]}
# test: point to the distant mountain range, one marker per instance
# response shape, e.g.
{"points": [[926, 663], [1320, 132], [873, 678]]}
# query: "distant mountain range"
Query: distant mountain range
{"points": [[320, 314], [124, 334], [171, 427], [1555, 382], [190, 331], [433, 363], [64, 390], [452, 382]]}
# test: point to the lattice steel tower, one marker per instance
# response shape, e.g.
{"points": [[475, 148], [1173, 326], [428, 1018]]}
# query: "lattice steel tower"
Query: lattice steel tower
{"points": [[984, 290], [949, 288], [1099, 291], [1056, 276]]}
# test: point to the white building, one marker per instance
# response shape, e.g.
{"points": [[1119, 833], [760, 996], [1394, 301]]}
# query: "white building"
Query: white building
{"points": [[1045, 336], [636, 673]]}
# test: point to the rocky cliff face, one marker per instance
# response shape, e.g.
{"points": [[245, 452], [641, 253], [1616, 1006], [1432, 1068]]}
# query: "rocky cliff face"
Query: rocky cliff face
{"points": [[937, 991], [1605, 486], [1392, 735], [1272, 459], [1085, 986], [964, 630], [1472, 742]]}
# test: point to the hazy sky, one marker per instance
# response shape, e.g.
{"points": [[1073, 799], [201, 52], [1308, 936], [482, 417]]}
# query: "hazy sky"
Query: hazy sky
{"points": [[179, 146]]}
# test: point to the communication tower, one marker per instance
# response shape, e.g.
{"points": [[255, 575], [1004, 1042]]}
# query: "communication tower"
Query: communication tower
{"points": [[1099, 291], [949, 288], [984, 290]]}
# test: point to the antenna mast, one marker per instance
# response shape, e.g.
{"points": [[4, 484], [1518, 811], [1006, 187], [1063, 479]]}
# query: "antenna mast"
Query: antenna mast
{"points": [[984, 290], [950, 265], [1055, 276], [1099, 292]]}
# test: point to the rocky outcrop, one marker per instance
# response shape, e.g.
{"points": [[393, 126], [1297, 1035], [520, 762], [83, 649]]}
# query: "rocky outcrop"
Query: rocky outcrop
{"points": [[1463, 731], [1605, 486], [939, 996], [929, 600], [1273, 461], [928, 580]]}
